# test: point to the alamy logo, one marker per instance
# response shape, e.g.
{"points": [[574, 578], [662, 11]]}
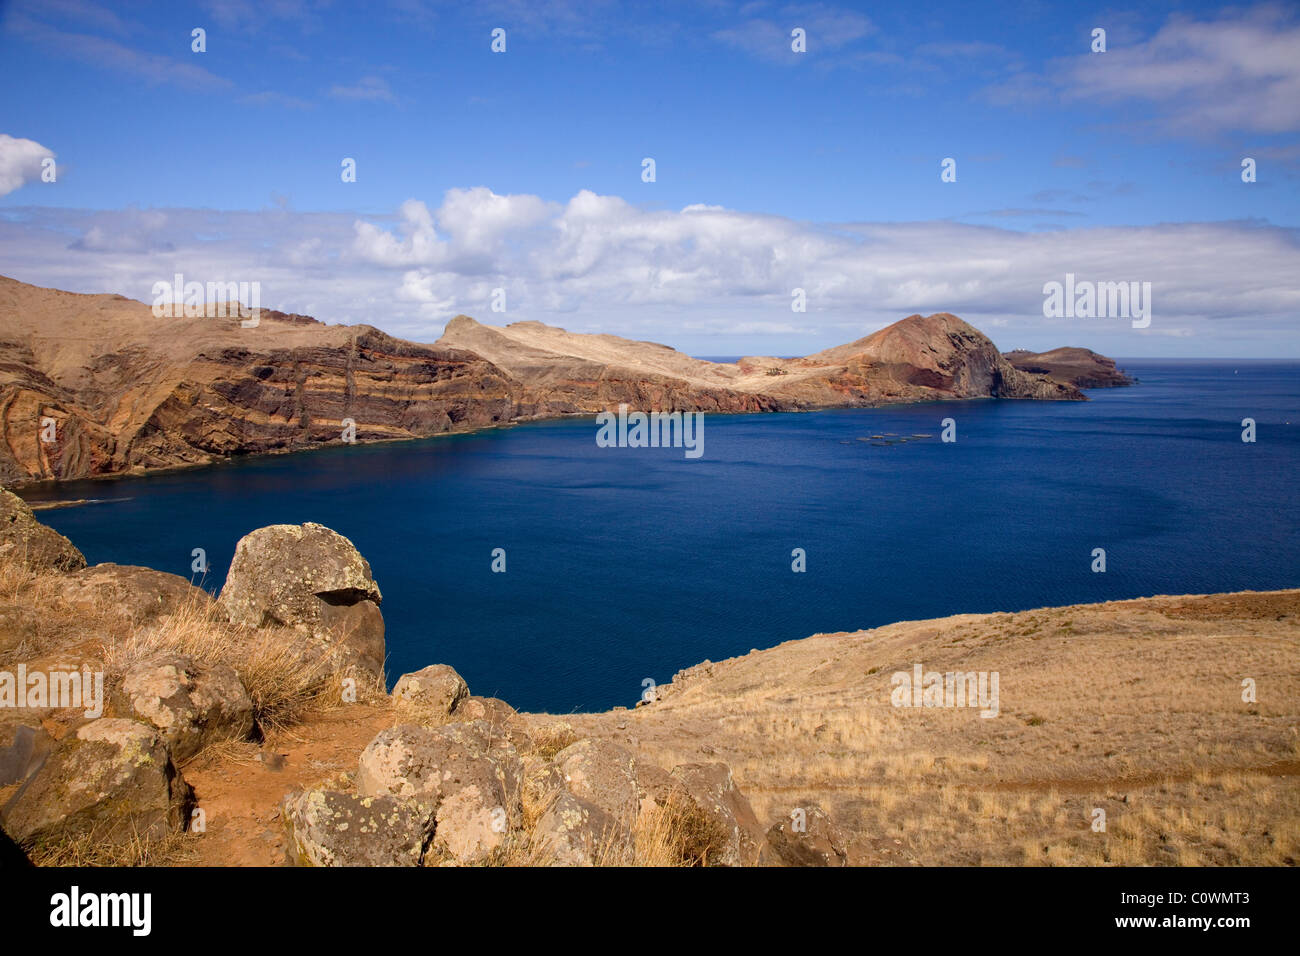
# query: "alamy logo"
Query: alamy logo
{"points": [[74, 908], [922, 688], [57, 688], [651, 430], [1098, 300], [178, 298]]}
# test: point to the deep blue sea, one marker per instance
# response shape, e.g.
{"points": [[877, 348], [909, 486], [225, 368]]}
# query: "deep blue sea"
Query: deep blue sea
{"points": [[624, 564]]}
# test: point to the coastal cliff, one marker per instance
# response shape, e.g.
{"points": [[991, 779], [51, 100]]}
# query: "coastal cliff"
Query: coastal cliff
{"points": [[1082, 368], [96, 385]]}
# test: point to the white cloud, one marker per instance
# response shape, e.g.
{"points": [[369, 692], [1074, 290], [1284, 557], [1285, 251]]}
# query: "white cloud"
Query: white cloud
{"points": [[20, 162], [684, 277], [1240, 72]]}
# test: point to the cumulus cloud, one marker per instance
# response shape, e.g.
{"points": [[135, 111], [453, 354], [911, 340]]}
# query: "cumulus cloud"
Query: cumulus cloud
{"points": [[20, 162], [600, 263]]}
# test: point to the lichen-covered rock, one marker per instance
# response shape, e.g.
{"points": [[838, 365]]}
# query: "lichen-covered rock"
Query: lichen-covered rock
{"points": [[312, 579], [40, 547], [542, 782], [658, 788], [808, 838], [332, 828], [113, 777], [472, 821], [433, 692], [502, 719], [469, 780], [139, 594], [575, 832], [191, 704], [713, 791], [602, 774]]}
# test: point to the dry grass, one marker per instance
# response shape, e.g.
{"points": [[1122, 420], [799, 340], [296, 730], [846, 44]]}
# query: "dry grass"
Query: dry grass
{"points": [[284, 684], [95, 848], [1122, 707]]}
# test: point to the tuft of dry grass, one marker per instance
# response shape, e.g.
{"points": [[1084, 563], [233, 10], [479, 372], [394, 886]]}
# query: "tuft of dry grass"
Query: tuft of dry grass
{"points": [[284, 684], [92, 848]]}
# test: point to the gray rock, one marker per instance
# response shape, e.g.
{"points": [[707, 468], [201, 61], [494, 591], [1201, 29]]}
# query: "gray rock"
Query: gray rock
{"points": [[113, 778], [602, 774], [469, 781], [40, 547], [332, 828], [713, 791], [191, 704], [434, 692], [314, 580], [819, 843], [502, 719], [141, 595], [574, 832]]}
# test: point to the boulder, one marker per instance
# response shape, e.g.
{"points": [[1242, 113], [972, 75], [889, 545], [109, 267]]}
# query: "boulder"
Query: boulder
{"points": [[190, 703], [469, 782], [807, 839], [39, 546], [142, 595], [714, 793], [575, 832], [433, 692], [502, 719], [602, 774], [333, 828], [312, 579], [113, 778]]}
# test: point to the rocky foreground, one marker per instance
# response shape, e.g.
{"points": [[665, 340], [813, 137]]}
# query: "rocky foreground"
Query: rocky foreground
{"points": [[253, 729], [94, 385]]}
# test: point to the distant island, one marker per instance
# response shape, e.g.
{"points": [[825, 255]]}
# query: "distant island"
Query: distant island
{"points": [[97, 385]]}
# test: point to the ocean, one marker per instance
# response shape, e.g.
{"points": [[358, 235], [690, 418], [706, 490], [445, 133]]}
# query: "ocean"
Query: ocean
{"points": [[624, 564]]}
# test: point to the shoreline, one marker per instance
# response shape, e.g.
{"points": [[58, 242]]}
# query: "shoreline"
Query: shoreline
{"points": [[19, 487]]}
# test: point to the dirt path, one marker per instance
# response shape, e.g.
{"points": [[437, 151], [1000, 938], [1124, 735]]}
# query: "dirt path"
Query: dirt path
{"points": [[239, 788]]}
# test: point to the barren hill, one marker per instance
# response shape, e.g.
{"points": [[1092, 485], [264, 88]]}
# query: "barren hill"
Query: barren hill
{"points": [[129, 392], [1082, 368]]}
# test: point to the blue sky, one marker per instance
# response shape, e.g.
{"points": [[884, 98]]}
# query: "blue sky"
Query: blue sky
{"points": [[774, 170]]}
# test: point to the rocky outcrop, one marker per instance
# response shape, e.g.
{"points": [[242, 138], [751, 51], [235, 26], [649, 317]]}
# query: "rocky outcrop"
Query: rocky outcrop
{"points": [[37, 545], [191, 704], [432, 693], [112, 779], [311, 579], [140, 595], [1082, 368], [331, 828], [97, 385], [809, 838]]}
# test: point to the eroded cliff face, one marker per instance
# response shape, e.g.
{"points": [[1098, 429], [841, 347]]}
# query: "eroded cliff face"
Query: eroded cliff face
{"points": [[97, 385], [1082, 368]]}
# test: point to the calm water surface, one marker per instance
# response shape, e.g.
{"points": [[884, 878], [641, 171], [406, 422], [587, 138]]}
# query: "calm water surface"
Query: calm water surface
{"points": [[632, 563]]}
